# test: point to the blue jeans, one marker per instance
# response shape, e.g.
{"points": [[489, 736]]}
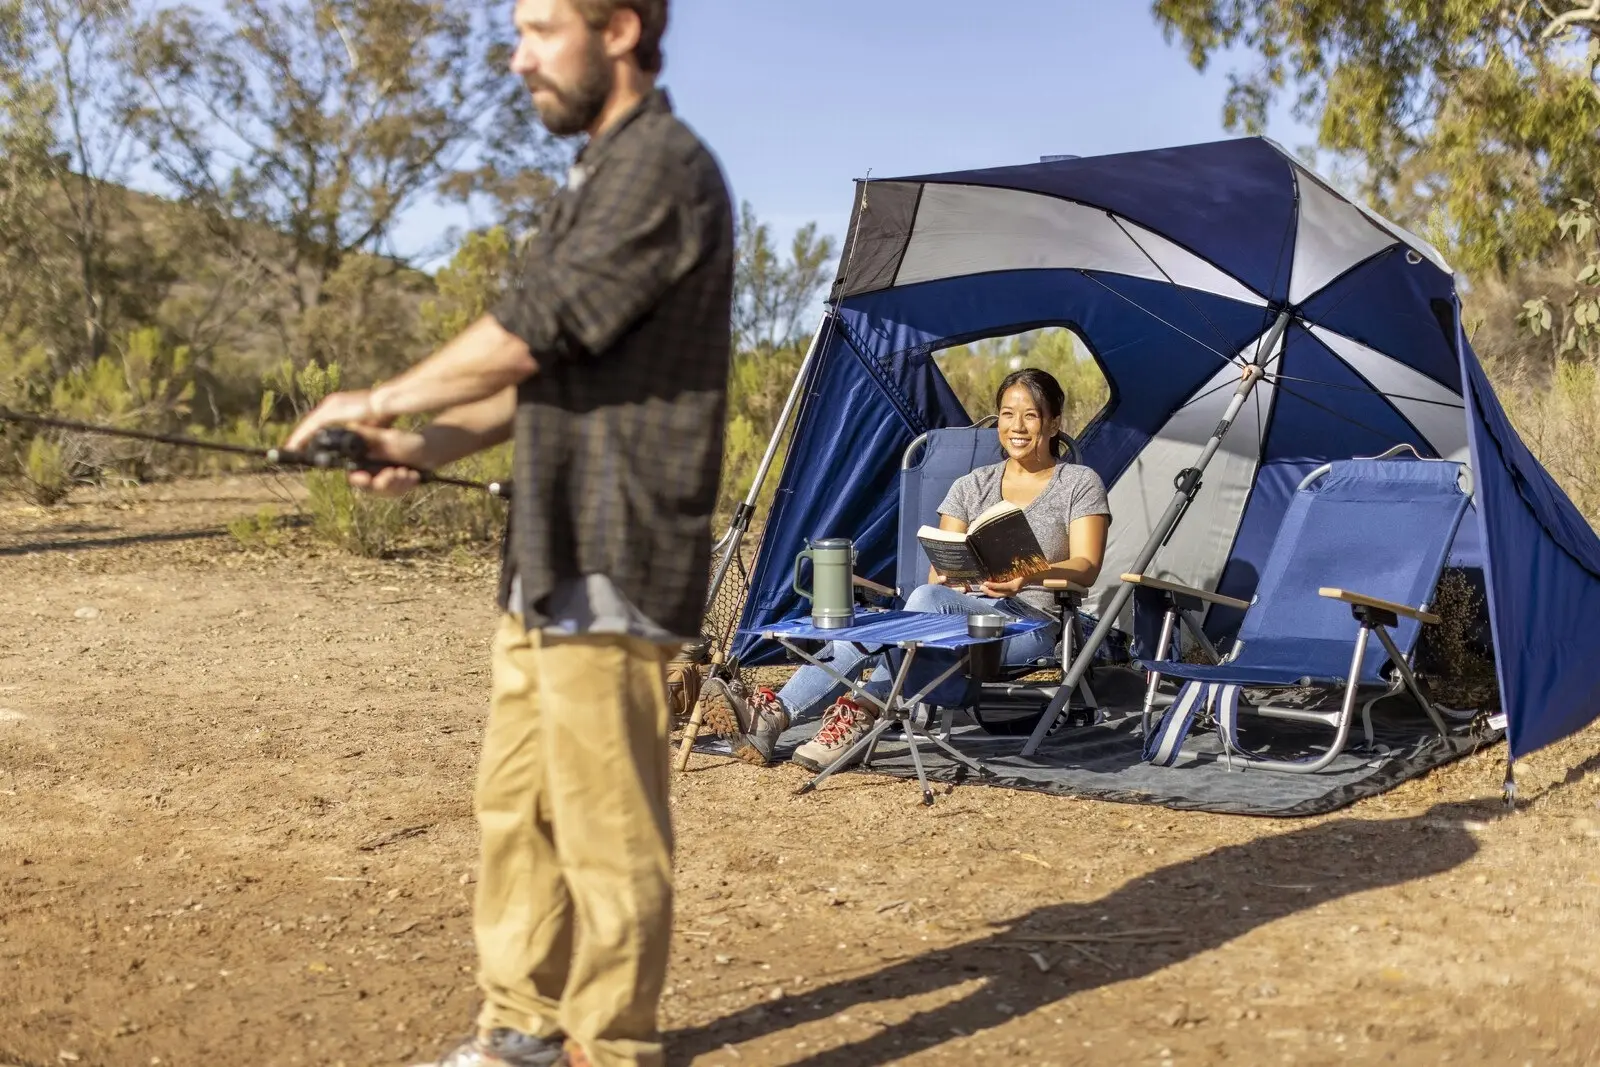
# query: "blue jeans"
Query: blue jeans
{"points": [[812, 689]]}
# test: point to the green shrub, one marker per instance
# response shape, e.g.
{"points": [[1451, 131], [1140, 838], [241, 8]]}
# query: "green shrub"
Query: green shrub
{"points": [[976, 370], [447, 515], [262, 531], [467, 286], [47, 472], [359, 523], [145, 384]]}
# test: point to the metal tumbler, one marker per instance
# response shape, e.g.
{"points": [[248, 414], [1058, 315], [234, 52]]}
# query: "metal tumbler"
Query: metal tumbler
{"points": [[832, 592]]}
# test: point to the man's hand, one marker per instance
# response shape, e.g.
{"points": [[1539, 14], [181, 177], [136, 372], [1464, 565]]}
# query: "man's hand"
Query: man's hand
{"points": [[1003, 590], [336, 409], [407, 449]]}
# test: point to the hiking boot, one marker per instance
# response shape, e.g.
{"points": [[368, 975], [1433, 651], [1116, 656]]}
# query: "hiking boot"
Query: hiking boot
{"points": [[753, 722], [842, 726], [504, 1048]]}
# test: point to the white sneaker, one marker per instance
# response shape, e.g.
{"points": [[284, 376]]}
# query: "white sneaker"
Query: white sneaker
{"points": [[842, 726]]}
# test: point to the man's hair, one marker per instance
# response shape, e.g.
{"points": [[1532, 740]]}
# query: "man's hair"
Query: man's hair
{"points": [[652, 25]]}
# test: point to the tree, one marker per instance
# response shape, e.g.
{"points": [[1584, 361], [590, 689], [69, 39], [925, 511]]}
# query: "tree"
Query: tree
{"points": [[25, 144], [772, 295], [1474, 114], [304, 129], [467, 286], [68, 153], [513, 166]]}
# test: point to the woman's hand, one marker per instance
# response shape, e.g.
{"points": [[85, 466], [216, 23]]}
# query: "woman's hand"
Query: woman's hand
{"points": [[935, 578], [1003, 590]]}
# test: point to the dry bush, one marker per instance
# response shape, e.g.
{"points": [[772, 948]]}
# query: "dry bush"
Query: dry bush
{"points": [[1557, 415], [447, 516], [1453, 656]]}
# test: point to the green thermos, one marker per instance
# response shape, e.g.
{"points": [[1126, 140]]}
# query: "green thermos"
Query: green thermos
{"points": [[832, 592]]}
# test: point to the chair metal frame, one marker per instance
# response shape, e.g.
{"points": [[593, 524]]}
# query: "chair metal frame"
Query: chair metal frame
{"points": [[1374, 616]]}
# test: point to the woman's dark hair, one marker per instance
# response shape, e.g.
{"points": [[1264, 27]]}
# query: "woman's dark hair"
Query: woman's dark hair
{"points": [[1046, 392]]}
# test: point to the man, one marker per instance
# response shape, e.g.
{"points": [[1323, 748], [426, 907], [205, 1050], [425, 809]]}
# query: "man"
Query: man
{"points": [[607, 361]]}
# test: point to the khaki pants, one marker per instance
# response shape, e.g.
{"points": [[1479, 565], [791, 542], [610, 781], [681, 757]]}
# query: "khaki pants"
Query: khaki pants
{"points": [[574, 906]]}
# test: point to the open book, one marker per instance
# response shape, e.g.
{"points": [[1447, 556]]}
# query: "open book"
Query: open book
{"points": [[998, 547]]}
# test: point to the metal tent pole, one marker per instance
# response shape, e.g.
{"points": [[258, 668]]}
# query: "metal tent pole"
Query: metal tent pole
{"points": [[1188, 485], [731, 541]]}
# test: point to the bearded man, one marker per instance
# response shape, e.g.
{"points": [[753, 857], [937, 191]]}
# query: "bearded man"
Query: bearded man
{"points": [[607, 362]]}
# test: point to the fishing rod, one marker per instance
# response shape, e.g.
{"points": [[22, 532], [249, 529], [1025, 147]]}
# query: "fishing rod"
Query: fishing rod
{"points": [[332, 448]]}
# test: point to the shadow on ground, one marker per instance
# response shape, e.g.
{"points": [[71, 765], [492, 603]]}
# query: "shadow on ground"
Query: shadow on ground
{"points": [[1215, 898], [29, 548]]}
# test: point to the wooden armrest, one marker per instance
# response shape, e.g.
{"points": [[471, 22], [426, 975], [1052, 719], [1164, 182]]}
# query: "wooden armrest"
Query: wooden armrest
{"points": [[1361, 600], [1064, 585], [872, 587], [1184, 590]]}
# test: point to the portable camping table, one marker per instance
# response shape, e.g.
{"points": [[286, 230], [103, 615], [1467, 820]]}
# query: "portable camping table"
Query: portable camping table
{"points": [[909, 631]]}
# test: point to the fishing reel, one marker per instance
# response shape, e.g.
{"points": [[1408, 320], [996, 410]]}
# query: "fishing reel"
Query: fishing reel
{"points": [[338, 448], [330, 448], [335, 446]]}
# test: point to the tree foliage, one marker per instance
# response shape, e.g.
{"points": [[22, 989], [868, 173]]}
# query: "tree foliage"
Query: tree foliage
{"points": [[772, 294], [305, 129], [67, 153], [1476, 114]]}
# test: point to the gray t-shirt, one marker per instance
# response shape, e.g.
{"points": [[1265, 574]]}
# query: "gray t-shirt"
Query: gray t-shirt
{"points": [[1073, 493]]}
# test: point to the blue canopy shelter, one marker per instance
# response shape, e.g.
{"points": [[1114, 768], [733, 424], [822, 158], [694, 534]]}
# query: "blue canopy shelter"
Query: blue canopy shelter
{"points": [[1252, 324]]}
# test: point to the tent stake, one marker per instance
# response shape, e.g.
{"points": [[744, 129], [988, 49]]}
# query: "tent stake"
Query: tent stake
{"points": [[1188, 485]]}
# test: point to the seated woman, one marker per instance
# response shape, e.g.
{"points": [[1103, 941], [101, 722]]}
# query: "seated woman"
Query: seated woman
{"points": [[1067, 510]]}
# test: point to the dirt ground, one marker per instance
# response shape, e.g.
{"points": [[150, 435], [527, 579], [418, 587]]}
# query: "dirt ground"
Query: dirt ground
{"points": [[235, 828]]}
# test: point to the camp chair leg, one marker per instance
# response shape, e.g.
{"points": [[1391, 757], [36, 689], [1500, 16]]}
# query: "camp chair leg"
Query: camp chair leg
{"points": [[1404, 668], [1154, 682], [1347, 714]]}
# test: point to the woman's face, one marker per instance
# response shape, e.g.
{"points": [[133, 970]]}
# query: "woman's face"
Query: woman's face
{"points": [[1025, 427]]}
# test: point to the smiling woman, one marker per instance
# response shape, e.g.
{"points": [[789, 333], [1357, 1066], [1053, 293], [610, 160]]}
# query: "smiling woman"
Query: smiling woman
{"points": [[1066, 511]]}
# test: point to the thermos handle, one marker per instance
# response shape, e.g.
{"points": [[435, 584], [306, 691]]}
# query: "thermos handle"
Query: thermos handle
{"points": [[803, 554]]}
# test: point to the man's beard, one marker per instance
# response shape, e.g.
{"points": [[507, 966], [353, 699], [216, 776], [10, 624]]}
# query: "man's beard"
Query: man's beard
{"points": [[575, 108]]}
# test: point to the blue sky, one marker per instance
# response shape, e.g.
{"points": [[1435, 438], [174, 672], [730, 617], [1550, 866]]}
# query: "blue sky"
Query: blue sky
{"points": [[800, 97]]}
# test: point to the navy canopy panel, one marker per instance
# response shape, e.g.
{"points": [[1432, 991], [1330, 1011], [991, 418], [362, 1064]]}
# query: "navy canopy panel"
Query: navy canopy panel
{"points": [[1236, 209], [1174, 266], [1544, 580], [842, 478]]}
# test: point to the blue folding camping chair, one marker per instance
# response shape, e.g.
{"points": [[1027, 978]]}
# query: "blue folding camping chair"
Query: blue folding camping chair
{"points": [[1364, 537], [930, 465]]}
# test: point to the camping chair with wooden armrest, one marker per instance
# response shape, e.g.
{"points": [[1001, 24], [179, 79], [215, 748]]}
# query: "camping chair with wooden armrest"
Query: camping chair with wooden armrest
{"points": [[1367, 537], [929, 467]]}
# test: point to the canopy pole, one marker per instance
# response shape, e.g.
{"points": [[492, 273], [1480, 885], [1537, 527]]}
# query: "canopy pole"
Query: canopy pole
{"points": [[1188, 486], [734, 538]]}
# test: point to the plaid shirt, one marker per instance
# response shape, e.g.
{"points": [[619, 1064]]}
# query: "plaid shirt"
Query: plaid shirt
{"points": [[624, 296]]}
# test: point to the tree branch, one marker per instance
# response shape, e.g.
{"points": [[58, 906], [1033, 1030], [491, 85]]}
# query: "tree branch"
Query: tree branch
{"points": [[1569, 19]]}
